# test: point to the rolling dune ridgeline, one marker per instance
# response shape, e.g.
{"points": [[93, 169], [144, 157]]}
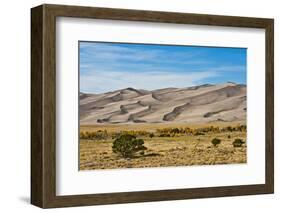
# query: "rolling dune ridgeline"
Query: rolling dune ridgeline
{"points": [[199, 104]]}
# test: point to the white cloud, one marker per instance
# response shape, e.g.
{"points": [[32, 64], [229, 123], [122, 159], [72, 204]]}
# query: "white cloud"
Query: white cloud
{"points": [[106, 67], [104, 81], [234, 68], [111, 52]]}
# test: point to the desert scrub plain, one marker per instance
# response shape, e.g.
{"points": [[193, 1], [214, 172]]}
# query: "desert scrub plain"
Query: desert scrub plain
{"points": [[166, 145]]}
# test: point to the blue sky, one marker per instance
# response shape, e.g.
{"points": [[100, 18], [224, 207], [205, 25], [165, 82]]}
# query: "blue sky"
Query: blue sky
{"points": [[111, 66]]}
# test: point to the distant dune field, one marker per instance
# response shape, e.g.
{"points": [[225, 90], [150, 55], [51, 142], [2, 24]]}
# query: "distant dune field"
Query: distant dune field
{"points": [[199, 104]]}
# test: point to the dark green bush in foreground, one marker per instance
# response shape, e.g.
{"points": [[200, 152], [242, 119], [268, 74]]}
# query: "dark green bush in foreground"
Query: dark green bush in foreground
{"points": [[216, 142], [127, 145]]}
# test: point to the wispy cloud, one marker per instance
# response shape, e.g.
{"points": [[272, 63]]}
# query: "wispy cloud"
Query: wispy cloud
{"points": [[233, 68], [95, 53], [111, 66]]}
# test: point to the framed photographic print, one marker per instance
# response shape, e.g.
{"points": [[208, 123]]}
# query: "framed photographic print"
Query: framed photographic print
{"points": [[136, 106]]}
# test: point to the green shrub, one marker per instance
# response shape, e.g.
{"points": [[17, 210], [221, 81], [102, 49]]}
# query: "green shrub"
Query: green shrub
{"points": [[229, 129], [238, 142], [127, 145], [216, 142], [96, 135], [175, 130], [199, 133], [228, 136], [164, 135], [151, 135]]}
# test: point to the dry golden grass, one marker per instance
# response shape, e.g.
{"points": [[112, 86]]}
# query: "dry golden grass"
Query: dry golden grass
{"points": [[182, 150], [152, 126]]}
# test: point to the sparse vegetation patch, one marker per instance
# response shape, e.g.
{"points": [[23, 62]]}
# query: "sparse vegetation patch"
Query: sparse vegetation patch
{"points": [[157, 146]]}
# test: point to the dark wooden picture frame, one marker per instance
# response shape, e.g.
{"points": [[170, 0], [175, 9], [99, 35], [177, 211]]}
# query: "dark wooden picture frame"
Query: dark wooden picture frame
{"points": [[43, 105]]}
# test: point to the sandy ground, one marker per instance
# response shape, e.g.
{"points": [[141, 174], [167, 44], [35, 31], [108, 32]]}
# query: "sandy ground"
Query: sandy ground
{"points": [[181, 150]]}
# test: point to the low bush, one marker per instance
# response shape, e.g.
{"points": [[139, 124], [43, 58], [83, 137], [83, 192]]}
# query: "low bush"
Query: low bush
{"points": [[127, 145], [98, 135], [164, 135], [216, 142], [151, 135], [238, 142], [198, 133]]}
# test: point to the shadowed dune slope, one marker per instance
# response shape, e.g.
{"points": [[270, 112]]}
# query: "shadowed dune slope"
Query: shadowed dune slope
{"points": [[198, 104]]}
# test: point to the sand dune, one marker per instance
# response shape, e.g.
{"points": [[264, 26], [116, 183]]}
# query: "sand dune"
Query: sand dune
{"points": [[197, 104]]}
